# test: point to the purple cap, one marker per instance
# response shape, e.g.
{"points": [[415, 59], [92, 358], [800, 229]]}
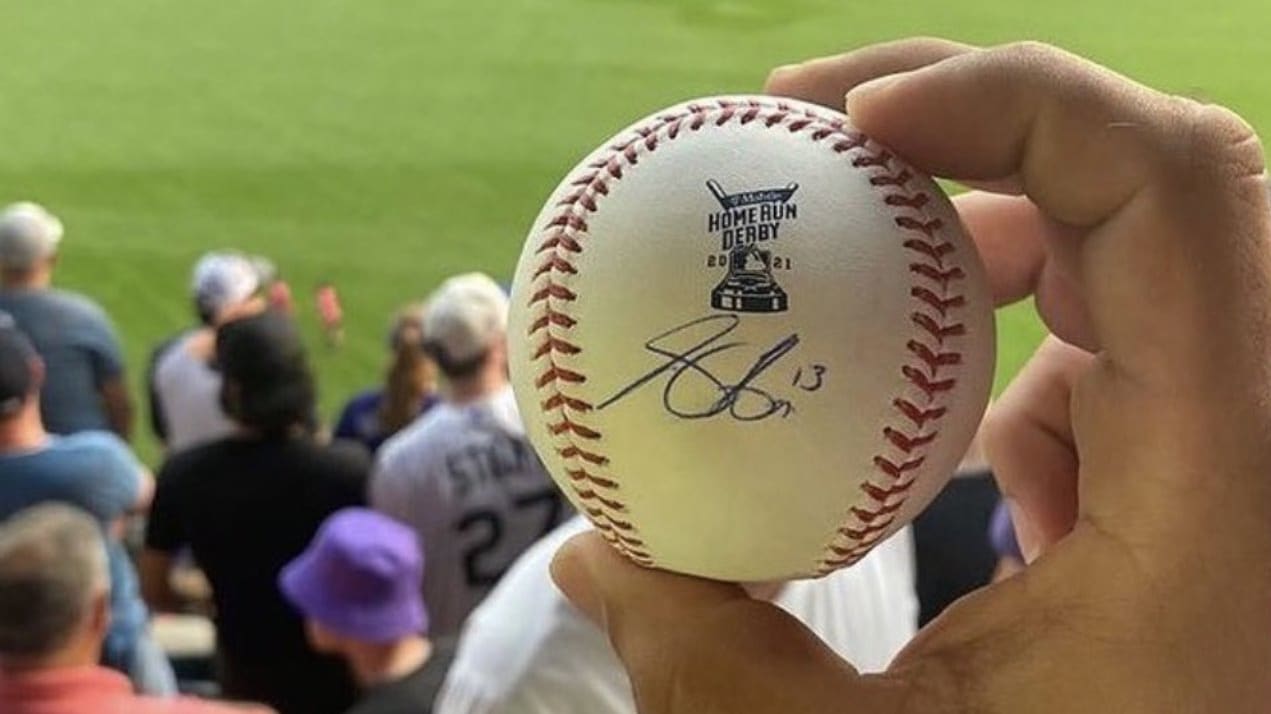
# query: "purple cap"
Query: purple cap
{"points": [[360, 577]]}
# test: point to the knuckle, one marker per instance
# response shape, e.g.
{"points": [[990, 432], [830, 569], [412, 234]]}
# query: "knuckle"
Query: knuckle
{"points": [[1219, 141], [1032, 53]]}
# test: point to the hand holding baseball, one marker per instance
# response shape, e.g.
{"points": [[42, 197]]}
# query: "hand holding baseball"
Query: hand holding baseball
{"points": [[1135, 451]]}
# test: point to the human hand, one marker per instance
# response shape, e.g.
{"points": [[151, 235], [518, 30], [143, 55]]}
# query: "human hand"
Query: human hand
{"points": [[1135, 447]]}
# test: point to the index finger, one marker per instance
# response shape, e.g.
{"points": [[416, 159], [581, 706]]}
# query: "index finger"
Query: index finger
{"points": [[1166, 194]]}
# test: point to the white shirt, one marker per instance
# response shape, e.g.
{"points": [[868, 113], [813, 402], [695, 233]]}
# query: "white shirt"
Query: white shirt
{"points": [[189, 393], [466, 478], [526, 650]]}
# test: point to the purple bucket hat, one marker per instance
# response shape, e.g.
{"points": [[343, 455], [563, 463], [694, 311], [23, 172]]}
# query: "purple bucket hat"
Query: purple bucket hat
{"points": [[360, 577]]}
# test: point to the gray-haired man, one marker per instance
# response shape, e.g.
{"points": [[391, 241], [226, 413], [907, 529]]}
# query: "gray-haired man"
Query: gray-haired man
{"points": [[86, 388], [54, 614]]}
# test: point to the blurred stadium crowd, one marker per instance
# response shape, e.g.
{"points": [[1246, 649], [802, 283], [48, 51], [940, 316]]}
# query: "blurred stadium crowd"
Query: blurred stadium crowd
{"points": [[396, 562]]}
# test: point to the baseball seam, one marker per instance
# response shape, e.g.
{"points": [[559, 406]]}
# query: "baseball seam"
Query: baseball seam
{"points": [[905, 440], [936, 300]]}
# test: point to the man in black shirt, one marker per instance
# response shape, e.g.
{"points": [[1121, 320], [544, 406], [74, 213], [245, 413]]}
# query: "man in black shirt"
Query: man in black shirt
{"points": [[359, 586], [248, 504]]}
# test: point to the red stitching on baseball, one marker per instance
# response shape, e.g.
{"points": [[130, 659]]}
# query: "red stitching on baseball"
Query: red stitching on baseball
{"points": [[927, 228], [558, 400], [933, 359], [917, 200], [560, 240], [881, 493], [918, 415], [585, 475], [561, 374], [616, 523], [871, 516], [555, 264], [899, 180], [553, 344], [941, 304], [865, 532], [571, 452], [882, 158], [936, 329], [907, 443], [569, 220], [897, 470], [929, 386], [924, 372], [935, 274], [579, 430], [552, 317], [937, 252], [587, 494]]}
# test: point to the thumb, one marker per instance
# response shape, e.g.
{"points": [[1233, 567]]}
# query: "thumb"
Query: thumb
{"points": [[695, 646]]}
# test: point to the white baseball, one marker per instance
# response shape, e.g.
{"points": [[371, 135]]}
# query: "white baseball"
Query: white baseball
{"points": [[747, 341]]}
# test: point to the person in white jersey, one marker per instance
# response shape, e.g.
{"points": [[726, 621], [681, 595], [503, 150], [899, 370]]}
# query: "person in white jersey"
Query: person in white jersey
{"points": [[527, 650], [187, 386], [464, 475]]}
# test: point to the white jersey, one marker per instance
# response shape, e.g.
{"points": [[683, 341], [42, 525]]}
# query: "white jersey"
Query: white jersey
{"points": [[466, 478], [527, 650], [189, 393]]}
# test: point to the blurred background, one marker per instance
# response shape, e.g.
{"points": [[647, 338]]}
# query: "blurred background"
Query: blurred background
{"points": [[380, 145]]}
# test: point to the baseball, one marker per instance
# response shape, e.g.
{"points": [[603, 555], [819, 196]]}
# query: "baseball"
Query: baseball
{"points": [[747, 341]]}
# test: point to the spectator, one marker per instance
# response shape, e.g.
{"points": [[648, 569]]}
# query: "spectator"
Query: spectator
{"points": [[248, 504], [358, 588], [186, 384], [409, 391], [93, 470], [464, 475], [86, 388], [54, 617], [526, 650]]}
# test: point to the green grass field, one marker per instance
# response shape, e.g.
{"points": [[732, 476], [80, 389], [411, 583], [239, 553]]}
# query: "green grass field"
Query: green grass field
{"points": [[383, 144]]}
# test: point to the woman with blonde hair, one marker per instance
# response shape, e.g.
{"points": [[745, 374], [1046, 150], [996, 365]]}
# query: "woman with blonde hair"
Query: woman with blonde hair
{"points": [[410, 387]]}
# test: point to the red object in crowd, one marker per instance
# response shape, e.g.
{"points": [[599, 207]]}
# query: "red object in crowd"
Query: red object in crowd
{"points": [[329, 306], [280, 297]]}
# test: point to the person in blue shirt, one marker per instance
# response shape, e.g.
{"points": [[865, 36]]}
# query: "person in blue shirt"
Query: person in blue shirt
{"points": [[410, 388], [86, 387], [93, 471]]}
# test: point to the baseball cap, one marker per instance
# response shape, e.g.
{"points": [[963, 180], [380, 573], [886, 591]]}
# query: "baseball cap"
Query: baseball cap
{"points": [[17, 379], [223, 279], [28, 234], [465, 316], [360, 577]]}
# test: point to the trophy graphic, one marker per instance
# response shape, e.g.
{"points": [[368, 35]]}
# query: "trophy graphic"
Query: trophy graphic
{"points": [[749, 285]]}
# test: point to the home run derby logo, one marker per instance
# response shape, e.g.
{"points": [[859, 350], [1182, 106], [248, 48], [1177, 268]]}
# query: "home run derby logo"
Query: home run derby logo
{"points": [[748, 227]]}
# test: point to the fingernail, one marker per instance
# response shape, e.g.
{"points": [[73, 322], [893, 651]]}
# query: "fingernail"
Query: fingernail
{"points": [[871, 89], [778, 77]]}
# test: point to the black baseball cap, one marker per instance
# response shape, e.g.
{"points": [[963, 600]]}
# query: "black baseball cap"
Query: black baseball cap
{"points": [[17, 378]]}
